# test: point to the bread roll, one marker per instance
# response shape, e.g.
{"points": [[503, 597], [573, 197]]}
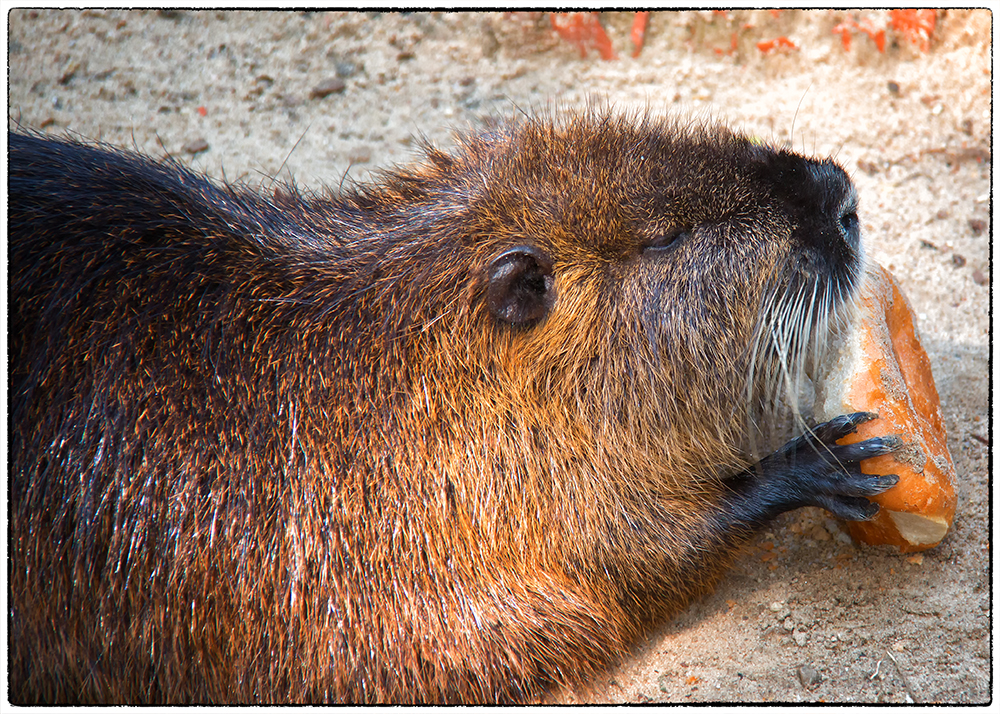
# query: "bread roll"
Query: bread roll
{"points": [[881, 367]]}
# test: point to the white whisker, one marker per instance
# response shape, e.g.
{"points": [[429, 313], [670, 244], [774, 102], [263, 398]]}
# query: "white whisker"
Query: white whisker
{"points": [[793, 334]]}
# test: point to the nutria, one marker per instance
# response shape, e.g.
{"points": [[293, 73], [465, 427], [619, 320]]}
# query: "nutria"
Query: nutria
{"points": [[456, 435]]}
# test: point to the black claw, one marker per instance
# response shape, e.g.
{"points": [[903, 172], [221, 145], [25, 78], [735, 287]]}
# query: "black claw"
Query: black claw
{"points": [[885, 482], [858, 418], [841, 426], [890, 443], [849, 508], [868, 449], [868, 485]]}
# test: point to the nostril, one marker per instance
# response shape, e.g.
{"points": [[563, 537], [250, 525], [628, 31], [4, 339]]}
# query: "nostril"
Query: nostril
{"points": [[849, 222], [850, 228]]}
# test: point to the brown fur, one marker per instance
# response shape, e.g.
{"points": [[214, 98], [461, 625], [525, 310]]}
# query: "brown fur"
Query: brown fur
{"points": [[272, 449]]}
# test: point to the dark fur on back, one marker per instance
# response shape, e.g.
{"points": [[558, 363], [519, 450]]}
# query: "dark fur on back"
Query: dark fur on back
{"points": [[276, 447]]}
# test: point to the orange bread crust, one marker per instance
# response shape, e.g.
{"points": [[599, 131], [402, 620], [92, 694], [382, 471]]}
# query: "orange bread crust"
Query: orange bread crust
{"points": [[882, 368]]}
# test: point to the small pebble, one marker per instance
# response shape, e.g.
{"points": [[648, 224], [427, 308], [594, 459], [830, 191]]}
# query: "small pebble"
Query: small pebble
{"points": [[980, 279], [957, 260], [360, 155], [809, 677], [893, 87], [868, 167], [800, 637], [820, 533], [842, 537], [70, 72], [345, 69], [977, 225], [195, 146], [327, 87], [942, 214]]}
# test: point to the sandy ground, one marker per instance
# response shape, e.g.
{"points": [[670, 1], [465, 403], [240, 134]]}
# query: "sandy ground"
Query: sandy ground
{"points": [[805, 614]]}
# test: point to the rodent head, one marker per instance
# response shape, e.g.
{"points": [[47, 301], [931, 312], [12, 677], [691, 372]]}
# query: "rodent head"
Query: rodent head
{"points": [[627, 273]]}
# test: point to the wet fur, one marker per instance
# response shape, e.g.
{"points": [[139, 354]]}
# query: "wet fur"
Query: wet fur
{"points": [[276, 447]]}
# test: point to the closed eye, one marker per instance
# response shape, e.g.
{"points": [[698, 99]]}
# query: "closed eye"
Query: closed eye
{"points": [[664, 240]]}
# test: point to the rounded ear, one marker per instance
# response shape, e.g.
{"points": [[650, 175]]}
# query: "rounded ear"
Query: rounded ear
{"points": [[521, 288]]}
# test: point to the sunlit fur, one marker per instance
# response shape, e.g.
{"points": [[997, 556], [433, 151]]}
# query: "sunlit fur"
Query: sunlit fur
{"points": [[271, 448]]}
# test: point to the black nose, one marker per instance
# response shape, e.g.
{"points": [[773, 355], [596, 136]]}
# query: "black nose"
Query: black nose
{"points": [[831, 204], [850, 227], [821, 203]]}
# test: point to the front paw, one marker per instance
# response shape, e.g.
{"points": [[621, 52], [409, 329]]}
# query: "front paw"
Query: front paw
{"points": [[828, 474], [813, 470]]}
